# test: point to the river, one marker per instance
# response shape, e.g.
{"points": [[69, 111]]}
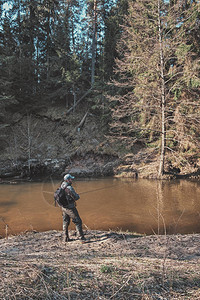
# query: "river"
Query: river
{"points": [[137, 205]]}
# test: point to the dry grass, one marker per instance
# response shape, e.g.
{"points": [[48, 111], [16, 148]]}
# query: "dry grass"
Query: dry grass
{"points": [[110, 266]]}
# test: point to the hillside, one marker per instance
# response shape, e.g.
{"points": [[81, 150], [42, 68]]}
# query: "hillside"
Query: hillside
{"points": [[49, 141]]}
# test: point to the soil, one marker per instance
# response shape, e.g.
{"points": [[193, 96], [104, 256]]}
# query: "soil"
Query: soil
{"points": [[59, 145], [109, 265]]}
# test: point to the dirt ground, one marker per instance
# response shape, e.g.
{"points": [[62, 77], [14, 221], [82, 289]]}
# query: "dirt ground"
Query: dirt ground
{"points": [[110, 265]]}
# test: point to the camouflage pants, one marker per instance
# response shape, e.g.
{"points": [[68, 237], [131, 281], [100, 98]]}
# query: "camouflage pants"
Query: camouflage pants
{"points": [[72, 214]]}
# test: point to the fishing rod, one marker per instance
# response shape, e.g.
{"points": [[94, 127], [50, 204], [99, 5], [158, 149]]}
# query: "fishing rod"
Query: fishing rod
{"points": [[90, 191]]}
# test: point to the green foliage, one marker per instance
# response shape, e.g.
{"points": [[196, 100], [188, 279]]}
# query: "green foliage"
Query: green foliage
{"points": [[113, 32], [182, 51], [195, 82], [106, 269], [50, 46]]}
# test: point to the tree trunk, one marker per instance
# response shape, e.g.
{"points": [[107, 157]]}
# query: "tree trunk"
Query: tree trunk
{"points": [[94, 43], [29, 142], [163, 99], [48, 44], [80, 125], [20, 48], [74, 94]]}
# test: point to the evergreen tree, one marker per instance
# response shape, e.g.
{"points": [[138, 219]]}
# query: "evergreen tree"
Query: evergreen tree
{"points": [[97, 13], [56, 46], [113, 30], [7, 59], [157, 67]]}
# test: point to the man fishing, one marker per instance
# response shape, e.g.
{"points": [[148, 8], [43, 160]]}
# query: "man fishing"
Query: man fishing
{"points": [[70, 211]]}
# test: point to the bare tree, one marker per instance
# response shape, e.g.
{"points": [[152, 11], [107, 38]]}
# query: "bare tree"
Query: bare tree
{"points": [[163, 99], [25, 141]]}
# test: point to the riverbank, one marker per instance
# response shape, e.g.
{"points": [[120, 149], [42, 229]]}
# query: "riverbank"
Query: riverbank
{"points": [[111, 265]]}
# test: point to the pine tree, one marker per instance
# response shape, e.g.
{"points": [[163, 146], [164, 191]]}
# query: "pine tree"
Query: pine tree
{"points": [[7, 59], [113, 30]]}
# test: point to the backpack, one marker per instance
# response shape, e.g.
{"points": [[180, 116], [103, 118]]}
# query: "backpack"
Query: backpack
{"points": [[62, 198]]}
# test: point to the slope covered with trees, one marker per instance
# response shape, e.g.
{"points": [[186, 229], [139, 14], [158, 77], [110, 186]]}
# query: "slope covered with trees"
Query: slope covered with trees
{"points": [[130, 67]]}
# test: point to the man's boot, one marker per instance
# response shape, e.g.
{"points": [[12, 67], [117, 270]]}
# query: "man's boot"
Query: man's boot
{"points": [[80, 233], [66, 235], [66, 238]]}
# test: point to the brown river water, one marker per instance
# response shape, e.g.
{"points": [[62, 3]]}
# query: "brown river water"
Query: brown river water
{"points": [[142, 206]]}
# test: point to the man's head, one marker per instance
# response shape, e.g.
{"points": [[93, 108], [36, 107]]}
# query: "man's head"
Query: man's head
{"points": [[68, 178]]}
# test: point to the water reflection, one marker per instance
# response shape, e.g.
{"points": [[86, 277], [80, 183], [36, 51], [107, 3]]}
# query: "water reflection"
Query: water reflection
{"points": [[4, 203], [143, 206]]}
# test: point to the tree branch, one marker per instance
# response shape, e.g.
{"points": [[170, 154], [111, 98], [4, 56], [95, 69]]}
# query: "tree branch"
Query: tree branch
{"points": [[84, 95]]}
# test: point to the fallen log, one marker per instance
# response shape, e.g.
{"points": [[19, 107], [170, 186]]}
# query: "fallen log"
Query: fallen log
{"points": [[80, 125]]}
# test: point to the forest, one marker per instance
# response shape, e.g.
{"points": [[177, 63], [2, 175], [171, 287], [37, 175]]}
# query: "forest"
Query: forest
{"points": [[132, 65]]}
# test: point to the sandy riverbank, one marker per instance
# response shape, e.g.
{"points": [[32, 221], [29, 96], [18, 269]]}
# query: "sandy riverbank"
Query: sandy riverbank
{"points": [[109, 266]]}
